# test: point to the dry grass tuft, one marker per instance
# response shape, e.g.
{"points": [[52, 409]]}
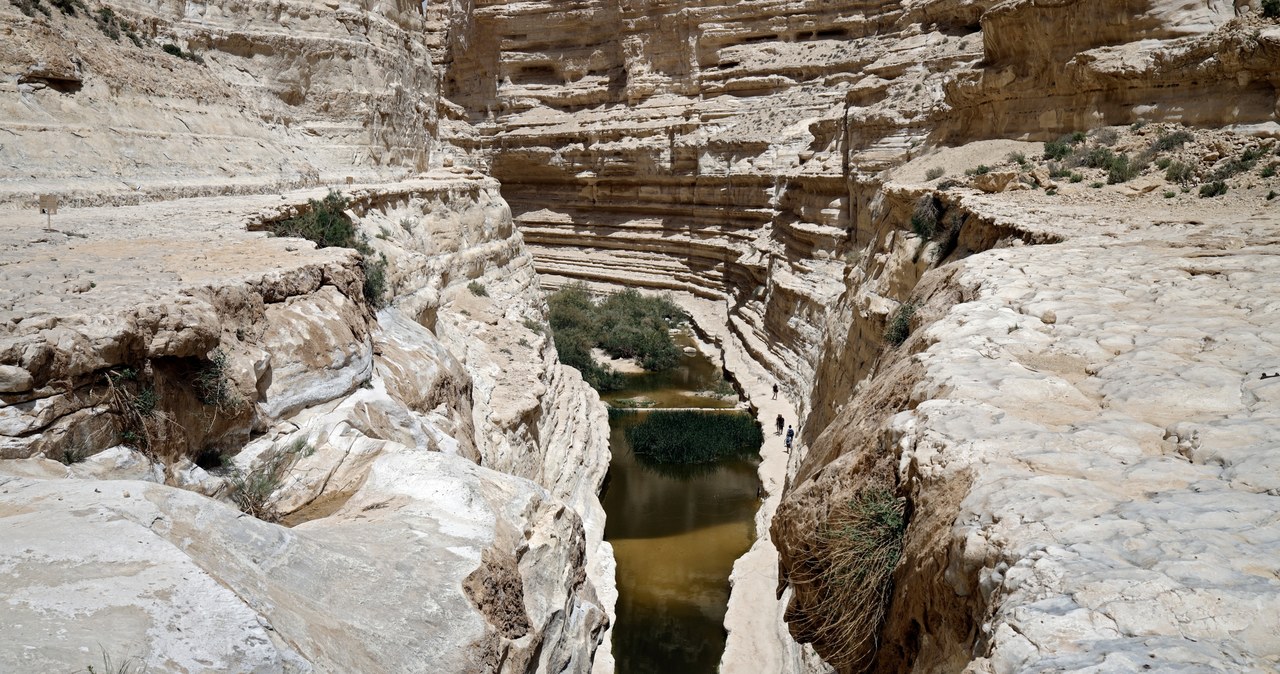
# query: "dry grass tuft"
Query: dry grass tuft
{"points": [[850, 575]]}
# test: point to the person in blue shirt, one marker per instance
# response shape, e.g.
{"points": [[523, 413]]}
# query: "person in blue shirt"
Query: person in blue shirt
{"points": [[790, 435]]}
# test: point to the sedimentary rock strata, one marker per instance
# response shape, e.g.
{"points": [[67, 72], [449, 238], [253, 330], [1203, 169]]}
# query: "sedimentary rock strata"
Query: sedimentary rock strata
{"points": [[1076, 418]]}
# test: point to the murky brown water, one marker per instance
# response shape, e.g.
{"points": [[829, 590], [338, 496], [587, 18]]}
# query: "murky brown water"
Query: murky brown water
{"points": [[676, 532]]}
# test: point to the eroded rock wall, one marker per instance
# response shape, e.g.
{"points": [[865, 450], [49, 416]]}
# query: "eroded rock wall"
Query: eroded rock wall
{"points": [[286, 95], [737, 153]]}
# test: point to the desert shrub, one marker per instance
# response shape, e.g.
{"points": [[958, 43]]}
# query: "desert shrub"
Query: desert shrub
{"points": [[849, 578], [477, 288], [534, 326], [1106, 136], [1018, 158], [326, 224], [1268, 171], [1062, 147], [1076, 177], [213, 383], [111, 25], [1271, 194], [1169, 194], [1163, 163], [30, 7], [1179, 172], [1098, 157], [175, 50], [1058, 170], [934, 173], [900, 325], [1122, 169], [255, 492], [375, 279], [924, 220], [1169, 142], [1234, 166], [1216, 188], [1095, 185], [694, 437]]}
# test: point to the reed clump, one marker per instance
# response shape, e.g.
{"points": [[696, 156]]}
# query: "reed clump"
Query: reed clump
{"points": [[684, 436]]}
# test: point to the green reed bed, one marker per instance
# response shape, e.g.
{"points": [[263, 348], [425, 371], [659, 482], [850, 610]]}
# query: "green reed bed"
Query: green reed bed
{"points": [[693, 437]]}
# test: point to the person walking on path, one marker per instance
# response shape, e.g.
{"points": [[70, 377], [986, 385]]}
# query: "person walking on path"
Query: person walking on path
{"points": [[781, 423], [775, 391], [790, 435]]}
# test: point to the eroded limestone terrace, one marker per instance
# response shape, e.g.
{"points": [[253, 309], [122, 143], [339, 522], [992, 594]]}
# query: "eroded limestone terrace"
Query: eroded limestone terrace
{"points": [[1014, 266]]}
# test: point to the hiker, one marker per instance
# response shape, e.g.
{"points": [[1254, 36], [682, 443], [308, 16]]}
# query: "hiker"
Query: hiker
{"points": [[790, 434], [775, 391], [781, 423]]}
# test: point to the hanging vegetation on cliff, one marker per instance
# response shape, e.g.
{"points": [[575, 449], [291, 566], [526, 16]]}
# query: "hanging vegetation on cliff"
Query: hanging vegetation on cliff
{"points": [[625, 324], [849, 577], [327, 225]]}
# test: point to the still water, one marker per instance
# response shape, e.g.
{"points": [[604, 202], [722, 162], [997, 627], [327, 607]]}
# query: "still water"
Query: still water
{"points": [[676, 532]]}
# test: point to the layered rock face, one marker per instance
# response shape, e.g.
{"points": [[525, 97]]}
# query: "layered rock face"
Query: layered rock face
{"points": [[432, 467], [734, 152], [378, 425], [286, 94]]}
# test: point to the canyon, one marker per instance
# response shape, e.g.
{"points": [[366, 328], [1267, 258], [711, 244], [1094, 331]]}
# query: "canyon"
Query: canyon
{"points": [[1059, 370]]}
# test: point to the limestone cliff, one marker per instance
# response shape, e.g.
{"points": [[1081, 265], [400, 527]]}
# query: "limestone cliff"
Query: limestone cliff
{"points": [[437, 505], [744, 154]]}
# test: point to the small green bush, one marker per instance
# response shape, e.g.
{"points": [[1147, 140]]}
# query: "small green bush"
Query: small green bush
{"points": [[1163, 163], [900, 325], [375, 279], [1062, 147], [694, 437], [1269, 170], [1076, 177], [1095, 185], [1058, 171], [1098, 157], [1179, 172], [145, 402], [1271, 194], [30, 7], [934, 173], [1216, 188], [1122, 169], [326, 224], [1169, 142], [477, 288], [175, 50], [534, 326], [1169, 194], [1018, 158]]}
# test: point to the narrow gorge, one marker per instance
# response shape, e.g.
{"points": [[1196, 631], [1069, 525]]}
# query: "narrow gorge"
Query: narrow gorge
{"points": [[1013, 267]]}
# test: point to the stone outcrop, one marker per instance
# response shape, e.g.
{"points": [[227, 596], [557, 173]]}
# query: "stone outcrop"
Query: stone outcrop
{"points": [[735, 152], [366, 428]]}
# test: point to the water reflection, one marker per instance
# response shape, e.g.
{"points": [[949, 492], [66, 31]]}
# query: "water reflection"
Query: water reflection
{"points": [[676, 531]]}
